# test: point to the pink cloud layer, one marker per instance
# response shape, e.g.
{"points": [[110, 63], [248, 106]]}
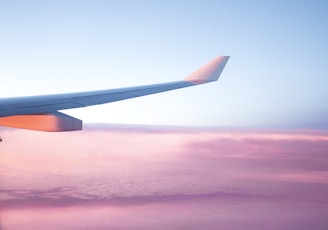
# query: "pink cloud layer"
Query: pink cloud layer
{"points": [[154, 178]]}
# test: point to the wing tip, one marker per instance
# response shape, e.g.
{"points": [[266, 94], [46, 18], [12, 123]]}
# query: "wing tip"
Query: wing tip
{"points": [[209, 72]]}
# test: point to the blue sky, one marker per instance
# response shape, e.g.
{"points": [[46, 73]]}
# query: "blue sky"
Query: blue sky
{"points": [[277, 75]]}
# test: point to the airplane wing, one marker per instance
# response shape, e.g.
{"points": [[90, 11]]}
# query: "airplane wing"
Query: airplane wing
{"points": [[41, 112]]}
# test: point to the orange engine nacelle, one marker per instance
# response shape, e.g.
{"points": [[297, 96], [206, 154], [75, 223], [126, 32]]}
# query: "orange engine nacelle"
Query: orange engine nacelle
{"points": [[49, 122]]}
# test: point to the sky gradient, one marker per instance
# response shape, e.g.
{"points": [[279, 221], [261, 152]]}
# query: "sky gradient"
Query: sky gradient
{"points": [[276, 76]]}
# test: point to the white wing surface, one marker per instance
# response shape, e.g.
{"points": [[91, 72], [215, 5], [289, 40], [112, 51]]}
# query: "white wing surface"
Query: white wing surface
{"points": [[41, 112]]}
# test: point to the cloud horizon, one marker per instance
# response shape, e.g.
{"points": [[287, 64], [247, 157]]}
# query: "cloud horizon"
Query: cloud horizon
{"points": [[120, 176]]}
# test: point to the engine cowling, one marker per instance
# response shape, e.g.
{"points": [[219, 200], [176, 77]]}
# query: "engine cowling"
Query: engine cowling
{"points": [[49, 122]]}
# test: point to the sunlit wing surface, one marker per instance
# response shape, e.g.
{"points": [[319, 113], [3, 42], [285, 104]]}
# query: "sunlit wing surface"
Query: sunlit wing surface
{"points": [[41, 112]]}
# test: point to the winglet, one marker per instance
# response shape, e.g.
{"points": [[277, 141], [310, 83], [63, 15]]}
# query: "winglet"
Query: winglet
{"points": [[209, 72]]}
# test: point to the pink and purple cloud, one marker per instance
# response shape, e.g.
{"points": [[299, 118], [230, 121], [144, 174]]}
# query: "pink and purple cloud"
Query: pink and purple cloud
{"points": [[140, 178]]}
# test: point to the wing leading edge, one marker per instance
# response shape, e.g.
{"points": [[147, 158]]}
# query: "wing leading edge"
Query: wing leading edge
{"points": [[41, 112]]}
